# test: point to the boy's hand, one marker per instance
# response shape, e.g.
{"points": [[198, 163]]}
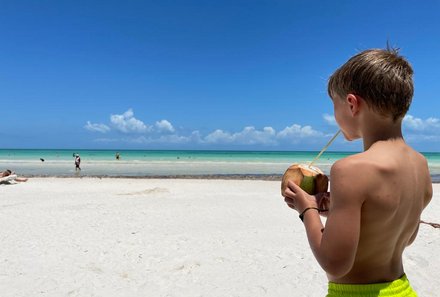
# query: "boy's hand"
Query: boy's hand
{"points": [[297, 198], [323, 200]]}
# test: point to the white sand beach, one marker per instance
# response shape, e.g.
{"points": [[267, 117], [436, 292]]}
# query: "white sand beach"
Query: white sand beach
{"points": [[169, 237]]}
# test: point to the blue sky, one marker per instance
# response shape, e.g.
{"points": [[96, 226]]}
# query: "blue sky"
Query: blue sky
{"points": [[246, 75]]}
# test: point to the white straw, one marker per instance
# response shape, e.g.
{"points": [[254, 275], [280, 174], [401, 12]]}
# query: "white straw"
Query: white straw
{"points": [[325, 147]]}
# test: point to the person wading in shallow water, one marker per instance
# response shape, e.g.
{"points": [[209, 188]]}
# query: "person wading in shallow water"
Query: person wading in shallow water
{"points": [[77, 162]]}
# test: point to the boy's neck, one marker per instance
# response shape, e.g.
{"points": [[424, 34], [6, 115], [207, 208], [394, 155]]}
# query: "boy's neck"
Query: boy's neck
{"points": [[380, 129]]}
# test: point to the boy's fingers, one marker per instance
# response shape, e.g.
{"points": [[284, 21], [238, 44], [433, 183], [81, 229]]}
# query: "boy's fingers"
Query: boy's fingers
{"points": [[289, 193], [289, 202], [294, 187]]}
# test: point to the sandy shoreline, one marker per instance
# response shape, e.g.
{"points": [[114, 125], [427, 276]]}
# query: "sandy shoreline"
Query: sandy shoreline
{"points": [[272, 177], [169, 237], [266, 177]]}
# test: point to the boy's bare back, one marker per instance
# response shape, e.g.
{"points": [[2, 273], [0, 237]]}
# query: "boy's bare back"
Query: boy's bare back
{"points": [[377, 196], [390, 185]]}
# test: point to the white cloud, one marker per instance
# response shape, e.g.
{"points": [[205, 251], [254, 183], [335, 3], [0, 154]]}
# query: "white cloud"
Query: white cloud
{"points": [[195, 137], [127, 123], [297, 131], [218, 136], [249, 135], [414, 138], [164, 126], [97, 127], [418, 124], [163, 132], [163, 139], [330, 119], [173, 138]]}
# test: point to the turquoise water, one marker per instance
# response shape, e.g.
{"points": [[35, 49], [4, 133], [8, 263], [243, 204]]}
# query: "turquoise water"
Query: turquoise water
{"points": [[163, 155], [170, 162]]}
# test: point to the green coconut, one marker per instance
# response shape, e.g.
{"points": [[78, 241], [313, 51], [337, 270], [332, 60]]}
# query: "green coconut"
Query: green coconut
{"points": [[310, 178]]}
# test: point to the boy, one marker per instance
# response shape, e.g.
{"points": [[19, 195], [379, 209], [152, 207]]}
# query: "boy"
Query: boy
{"points": [[377, 196]]}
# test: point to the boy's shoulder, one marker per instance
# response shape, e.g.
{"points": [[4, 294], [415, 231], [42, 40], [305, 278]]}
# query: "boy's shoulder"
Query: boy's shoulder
{"points": [[372, 169], [360, 171], [379, 159], [355, 164], [351, 176]]}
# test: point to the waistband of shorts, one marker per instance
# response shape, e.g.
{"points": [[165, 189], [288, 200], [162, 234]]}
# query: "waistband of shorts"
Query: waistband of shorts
{"points": [[397, 288]]}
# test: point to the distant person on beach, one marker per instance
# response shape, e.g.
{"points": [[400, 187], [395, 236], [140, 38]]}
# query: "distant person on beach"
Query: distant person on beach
{"points": [[376, 196], [8, 172], [117, 156], [77, 162]]}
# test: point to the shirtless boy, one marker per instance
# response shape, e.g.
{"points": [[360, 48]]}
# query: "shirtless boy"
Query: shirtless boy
{"points": [[376, 196]]}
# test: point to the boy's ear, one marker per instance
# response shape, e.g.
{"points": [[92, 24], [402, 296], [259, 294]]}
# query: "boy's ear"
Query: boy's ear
{"points": [[354, 103]]}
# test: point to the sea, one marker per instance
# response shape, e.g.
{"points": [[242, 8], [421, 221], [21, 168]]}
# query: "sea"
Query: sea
{"points": [[268, 165]]}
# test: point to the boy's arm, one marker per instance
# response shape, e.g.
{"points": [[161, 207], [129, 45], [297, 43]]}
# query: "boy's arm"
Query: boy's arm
{"points": [[428, 197], [336, 247], [413, 236]]}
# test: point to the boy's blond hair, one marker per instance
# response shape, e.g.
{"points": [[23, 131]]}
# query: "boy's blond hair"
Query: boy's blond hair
{"points": [[382, 78]]}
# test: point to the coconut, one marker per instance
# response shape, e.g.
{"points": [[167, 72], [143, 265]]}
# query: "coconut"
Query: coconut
{"points": [[310, 178]]}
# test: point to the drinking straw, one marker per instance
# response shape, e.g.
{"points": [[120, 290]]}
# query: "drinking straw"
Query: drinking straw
{"points": [[325, 147]]}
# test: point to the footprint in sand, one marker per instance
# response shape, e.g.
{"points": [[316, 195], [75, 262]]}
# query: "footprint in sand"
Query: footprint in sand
{"points": [[151, 191], [187, 267]]}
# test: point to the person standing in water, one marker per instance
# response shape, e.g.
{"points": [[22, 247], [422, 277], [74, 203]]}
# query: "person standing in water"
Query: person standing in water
{"points": [[77, 162]]}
